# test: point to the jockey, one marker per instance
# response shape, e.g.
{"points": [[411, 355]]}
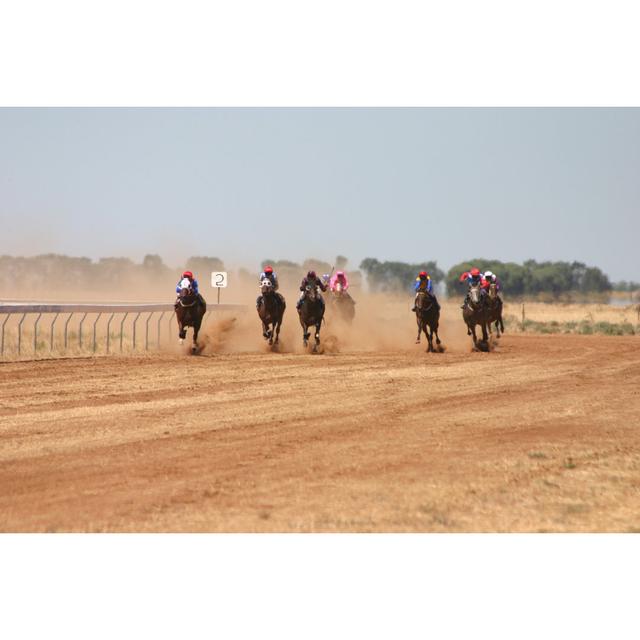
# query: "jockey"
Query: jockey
{"points": [[491, 278], [194, 285], [473, 277], [340, 277], [311, 279], [423, 284], [268, 274]]}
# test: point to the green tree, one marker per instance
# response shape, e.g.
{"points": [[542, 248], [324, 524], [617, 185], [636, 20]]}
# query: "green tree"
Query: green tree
{"points": [[396, 276]]}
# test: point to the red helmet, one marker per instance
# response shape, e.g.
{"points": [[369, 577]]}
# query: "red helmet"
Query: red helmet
{"points": [[475, 272], [187, 274], [422, 274], [311, 275], [340, 274], [268, 269]]}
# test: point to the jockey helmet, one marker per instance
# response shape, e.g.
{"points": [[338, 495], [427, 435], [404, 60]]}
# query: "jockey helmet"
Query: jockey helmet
{"points": [[475, 272], [187, 274], [312, 275], [268, 269], [340, 274], [422, 275], [488, 274]]}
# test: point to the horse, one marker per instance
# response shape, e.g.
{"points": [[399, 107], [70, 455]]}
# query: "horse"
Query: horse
{"points": [[189, 313], [343, 303], [494, 310], [474, 312], [311, 313], [271, 311], [427, 315]]}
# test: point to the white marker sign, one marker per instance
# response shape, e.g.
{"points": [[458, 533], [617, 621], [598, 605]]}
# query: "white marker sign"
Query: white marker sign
{"points": [[219, 279]]}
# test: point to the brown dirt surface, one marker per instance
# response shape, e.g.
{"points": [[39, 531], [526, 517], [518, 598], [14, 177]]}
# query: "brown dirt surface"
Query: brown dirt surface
{"points": [[539, 435]]}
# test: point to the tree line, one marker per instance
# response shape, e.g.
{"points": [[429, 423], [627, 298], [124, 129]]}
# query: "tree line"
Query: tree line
{"points": [[531, 278], [54, 271]]}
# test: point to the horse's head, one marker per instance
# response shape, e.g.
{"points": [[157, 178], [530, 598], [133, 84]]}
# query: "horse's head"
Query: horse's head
{"points": [[311, 292], [493, 293], [423, 301], [266, 286], [186, 288], [475, 295], [339, 288]]}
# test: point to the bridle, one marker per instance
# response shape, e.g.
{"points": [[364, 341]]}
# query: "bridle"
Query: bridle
{"points": [[190, 293]]}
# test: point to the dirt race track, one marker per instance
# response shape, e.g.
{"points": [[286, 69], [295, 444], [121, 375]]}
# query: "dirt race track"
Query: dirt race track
{"points": [[541, 435]]}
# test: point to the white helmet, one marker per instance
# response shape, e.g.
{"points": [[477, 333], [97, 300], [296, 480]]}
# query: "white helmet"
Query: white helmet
{"points": [[488, 274]]}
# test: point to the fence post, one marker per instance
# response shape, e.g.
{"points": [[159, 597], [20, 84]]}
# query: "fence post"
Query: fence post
{"points": [[52, 325], [159, 325], [134, 330], [146, 332], [80, 330], [108, 331], [35, 334], [2, 341], [66, 324], [94, 332], [121, 326], [20, 332]]}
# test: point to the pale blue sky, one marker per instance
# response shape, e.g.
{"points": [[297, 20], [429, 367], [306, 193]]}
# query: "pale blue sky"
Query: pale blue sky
{"points": [[245, 184]]}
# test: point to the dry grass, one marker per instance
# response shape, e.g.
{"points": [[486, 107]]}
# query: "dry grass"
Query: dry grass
{"points": [[558, 312]]}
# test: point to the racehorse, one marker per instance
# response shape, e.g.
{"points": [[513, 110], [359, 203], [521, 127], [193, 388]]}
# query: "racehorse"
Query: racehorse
{"points": [[494, 310], [475, 312], [271, 311], [343, 303], [311, 312], [189, 313], [427, 316]]}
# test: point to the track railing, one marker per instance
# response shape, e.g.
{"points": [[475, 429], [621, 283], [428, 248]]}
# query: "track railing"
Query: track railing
{"points": [[143, 333]]}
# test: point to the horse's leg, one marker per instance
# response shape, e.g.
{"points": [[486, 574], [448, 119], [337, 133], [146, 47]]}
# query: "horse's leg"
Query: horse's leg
{"points": [[468, 328], [419, 323], [305, 333], [277, 328], [429, 335], [485, 335], [196, 330], [435, 330], [472, 331], [317, 336], [182, 331]]}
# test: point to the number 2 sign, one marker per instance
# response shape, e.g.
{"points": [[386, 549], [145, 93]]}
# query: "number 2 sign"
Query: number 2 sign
{"points": [[219, 279]]}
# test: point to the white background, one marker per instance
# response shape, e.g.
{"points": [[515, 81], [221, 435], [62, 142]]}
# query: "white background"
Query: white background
{"points": [[330, 53]]}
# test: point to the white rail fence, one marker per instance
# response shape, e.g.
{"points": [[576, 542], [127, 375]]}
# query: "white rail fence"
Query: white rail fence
{"points": [[145, 327]]}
